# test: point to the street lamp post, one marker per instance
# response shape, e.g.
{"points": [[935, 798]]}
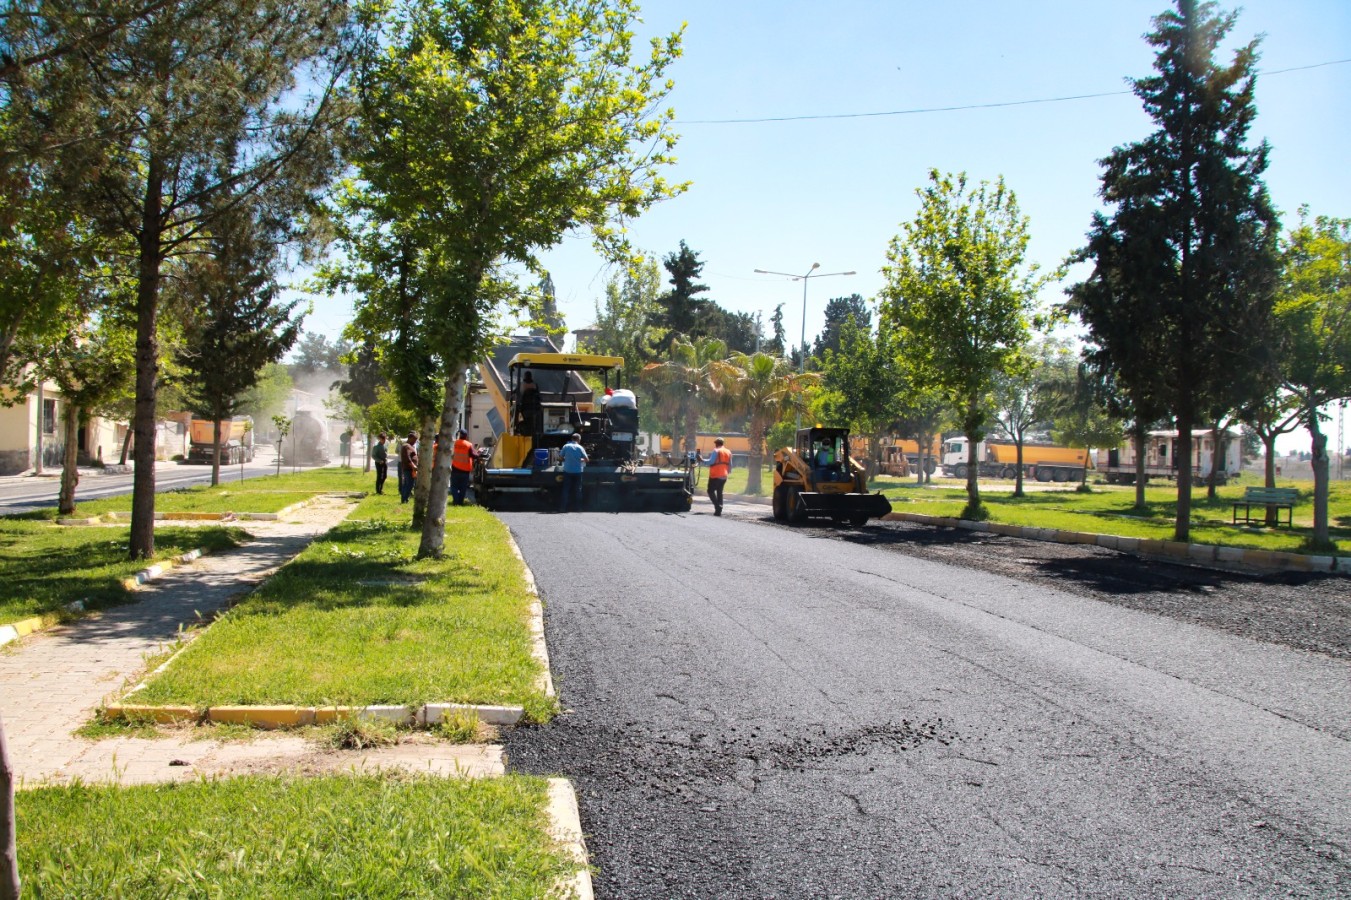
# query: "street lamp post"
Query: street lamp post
{"points": [[802, 347]]}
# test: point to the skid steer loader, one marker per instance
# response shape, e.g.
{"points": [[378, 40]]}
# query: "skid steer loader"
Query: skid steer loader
{"points": [[817, 478]]}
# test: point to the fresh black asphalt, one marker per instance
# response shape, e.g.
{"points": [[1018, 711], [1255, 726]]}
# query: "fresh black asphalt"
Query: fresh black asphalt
{"points": [[760, 711]]}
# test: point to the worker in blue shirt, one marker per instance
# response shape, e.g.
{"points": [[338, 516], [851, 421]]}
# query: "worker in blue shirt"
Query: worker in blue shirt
{"points": [[574, 463]]}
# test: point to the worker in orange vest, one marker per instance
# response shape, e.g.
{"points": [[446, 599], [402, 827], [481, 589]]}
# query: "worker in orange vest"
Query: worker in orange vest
{"points": [[461, 465], [719, 463]]}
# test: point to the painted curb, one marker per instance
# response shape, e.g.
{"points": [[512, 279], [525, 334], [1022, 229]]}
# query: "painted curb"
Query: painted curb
{"points": [[539, 648], [1172, 551], [155, 571], [284, 716], [566, 828]]}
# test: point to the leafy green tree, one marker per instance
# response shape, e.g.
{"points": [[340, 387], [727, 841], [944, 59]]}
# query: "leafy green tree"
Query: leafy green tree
{"points": [[91, 362], [859, 380], [1013, 405], [683, 385], [364, 374], [683, 309], [1180, 299], [490, 129], [840, 310], [315, 355], [172, 119], [236, 324], [1314, 318], [922, 415], [627, 325], [777, 344], [269, 394], [764, 389], [961, 295]]}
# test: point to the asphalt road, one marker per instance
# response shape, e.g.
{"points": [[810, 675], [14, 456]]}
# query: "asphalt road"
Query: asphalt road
{"points": [[760, 711], [26, 493]]}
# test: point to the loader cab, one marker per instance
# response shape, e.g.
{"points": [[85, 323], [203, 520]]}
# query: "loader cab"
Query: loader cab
{"points": [[827, 451]]}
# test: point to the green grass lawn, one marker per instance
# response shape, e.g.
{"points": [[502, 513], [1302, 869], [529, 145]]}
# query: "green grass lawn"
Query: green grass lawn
{"points": [[1110, 510], [372, 836], [357, 620], [265, 494], [44, 567]]}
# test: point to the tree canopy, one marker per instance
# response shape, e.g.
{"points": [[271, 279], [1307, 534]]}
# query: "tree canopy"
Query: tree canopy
{"points": [[1179, 302], [961, 295]]}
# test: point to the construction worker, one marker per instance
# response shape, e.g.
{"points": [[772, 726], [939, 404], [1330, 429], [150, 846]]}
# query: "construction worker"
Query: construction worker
{"points": [[719, 463], [461, 466], [407, 467], [575, 459]]}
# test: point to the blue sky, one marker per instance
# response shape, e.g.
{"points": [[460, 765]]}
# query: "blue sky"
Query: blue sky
{"points": [[782, 195]]}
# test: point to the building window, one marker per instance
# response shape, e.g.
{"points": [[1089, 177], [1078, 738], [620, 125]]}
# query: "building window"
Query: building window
{"points": [[48, 416]]}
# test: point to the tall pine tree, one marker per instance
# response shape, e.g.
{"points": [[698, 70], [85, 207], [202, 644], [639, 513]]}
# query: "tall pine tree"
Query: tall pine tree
{"points": [[1185, 261]]}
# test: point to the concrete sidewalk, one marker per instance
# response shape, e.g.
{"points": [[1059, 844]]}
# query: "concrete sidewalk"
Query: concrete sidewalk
{"points": [[52, 682]]}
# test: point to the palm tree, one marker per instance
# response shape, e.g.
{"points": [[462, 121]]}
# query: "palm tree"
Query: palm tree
{"points": [[682, 384], [764, 389]]}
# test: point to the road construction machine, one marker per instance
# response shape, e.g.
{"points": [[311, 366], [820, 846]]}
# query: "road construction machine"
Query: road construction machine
{"points": [[540, 399], [817, 478]]}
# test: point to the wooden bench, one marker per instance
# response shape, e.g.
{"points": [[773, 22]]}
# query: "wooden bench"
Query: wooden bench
{"points": [[1264, 497]]}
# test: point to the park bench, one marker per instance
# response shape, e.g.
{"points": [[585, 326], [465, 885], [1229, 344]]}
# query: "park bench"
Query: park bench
{"points": [[1265, 497]]}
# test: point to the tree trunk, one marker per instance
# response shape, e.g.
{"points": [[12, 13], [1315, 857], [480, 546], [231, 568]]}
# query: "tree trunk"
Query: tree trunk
{"points": [[9, 855], [1320, 540], [1182, 459], [126, 446], [756, 458], [1138, 439], [147, 364], [215, 452], [926, 441], [425, 462], [434, 526], [70, 471], [37, 438], [1018, 473], [1215, 457], [972, 473], [1269, 442]]}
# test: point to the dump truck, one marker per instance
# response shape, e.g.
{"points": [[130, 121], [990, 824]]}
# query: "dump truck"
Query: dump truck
{"points": [[817, 478], [236, 441], [523, 469], [999, 459]]}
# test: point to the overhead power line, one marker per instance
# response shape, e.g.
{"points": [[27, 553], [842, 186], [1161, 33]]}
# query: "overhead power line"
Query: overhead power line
{"points": [[940, 109]]}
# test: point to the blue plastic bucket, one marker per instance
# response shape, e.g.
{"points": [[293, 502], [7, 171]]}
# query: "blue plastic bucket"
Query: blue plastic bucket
{"points": [[541, 458]]}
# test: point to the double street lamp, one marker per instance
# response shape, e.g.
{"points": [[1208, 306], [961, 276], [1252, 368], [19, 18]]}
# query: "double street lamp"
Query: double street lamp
{"points": [[802, 349]]}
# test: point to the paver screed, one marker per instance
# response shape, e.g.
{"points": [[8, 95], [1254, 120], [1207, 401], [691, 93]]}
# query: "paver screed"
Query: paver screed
{"points": [[51, 683]]}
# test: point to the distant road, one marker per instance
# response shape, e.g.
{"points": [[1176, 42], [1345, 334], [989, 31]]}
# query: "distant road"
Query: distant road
{"points": [[26, 493]]}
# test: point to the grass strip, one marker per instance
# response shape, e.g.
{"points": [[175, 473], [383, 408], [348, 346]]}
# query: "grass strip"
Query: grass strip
{"points": [[373, 836], [45, 567], [1111, 510], [264, 494], [356, 620]]}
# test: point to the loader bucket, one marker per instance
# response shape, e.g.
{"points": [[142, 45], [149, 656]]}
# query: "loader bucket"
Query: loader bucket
{"points": [[853, 507]]}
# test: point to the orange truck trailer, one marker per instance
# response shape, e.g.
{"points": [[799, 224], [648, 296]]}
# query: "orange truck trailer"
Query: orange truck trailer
{"points": [[999, 459]]}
